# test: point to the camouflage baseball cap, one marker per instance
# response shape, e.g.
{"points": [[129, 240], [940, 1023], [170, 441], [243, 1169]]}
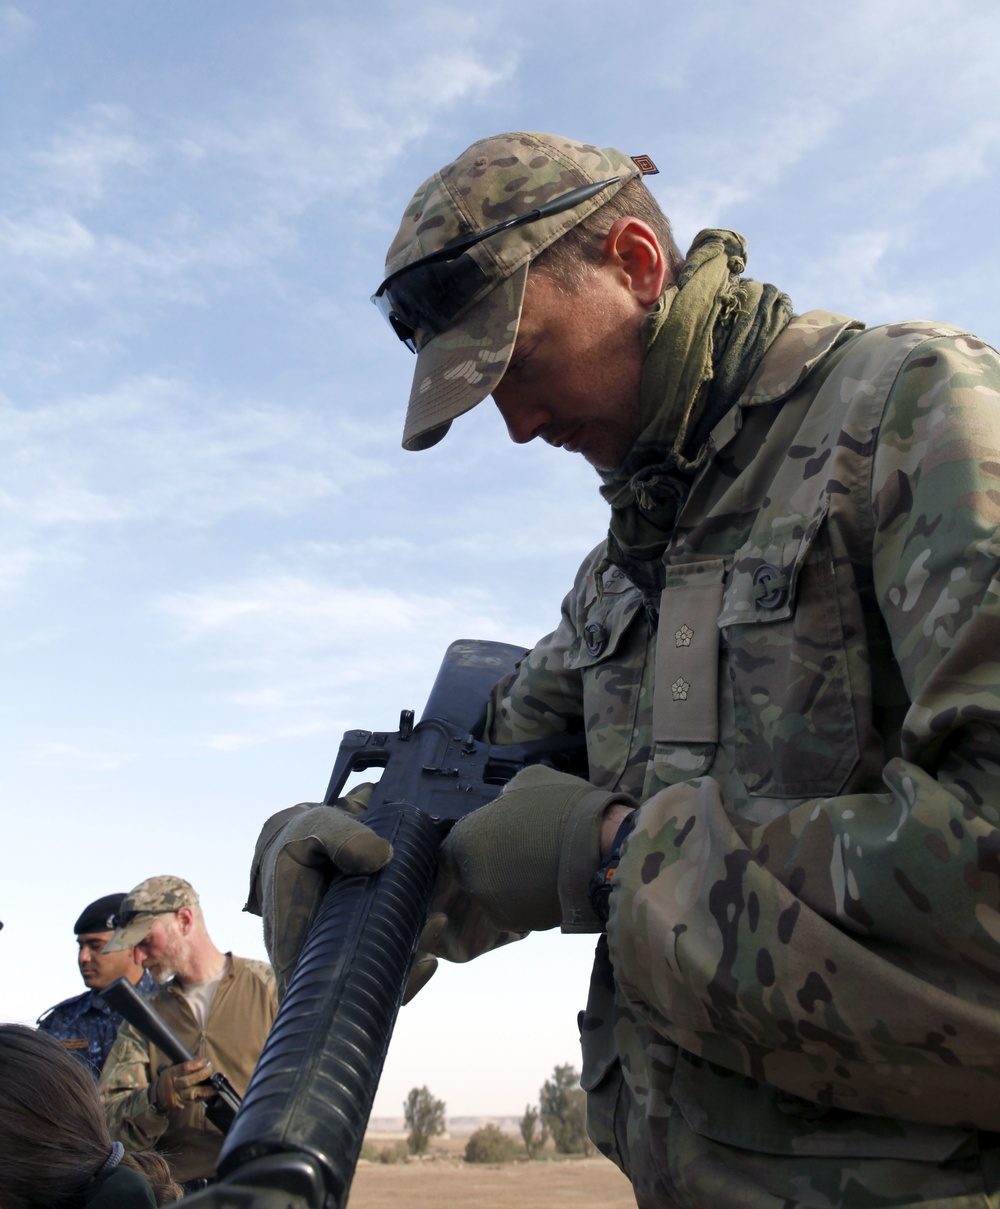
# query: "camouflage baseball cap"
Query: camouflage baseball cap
{"points": [[155, 896], [461, 319]]}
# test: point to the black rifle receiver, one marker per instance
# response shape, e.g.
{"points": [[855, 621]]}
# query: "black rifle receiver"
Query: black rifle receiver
{"points": [[296, 1141], [123, 998]]}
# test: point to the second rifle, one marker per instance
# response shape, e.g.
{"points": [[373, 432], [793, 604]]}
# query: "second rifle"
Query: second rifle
{"points": [[123, 998]]}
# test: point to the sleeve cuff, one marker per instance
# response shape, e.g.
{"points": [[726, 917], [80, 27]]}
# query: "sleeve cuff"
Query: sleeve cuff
{"points": [[580, 855]]}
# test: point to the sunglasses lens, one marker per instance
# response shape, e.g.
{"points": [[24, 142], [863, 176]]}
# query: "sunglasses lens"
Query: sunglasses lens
{"points": [[428, 298], [428, 295], [405, 333], [402, 330]]}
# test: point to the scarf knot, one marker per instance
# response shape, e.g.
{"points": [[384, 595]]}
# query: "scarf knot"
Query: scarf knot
{"points": [[702, 342]]}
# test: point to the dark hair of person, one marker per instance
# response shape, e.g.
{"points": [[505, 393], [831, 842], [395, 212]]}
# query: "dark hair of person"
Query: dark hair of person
{"points": [[568, 258], [53, 1132]]}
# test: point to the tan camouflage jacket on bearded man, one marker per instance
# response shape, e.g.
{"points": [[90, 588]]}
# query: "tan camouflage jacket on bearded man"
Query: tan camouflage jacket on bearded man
{"points": [[810, 895], [239, 1019]]}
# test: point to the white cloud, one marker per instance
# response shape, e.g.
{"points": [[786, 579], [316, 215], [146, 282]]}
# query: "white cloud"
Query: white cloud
{"points": [[45, 237], [772, 144], [271, 619], [855, 274], [835, 110], [299, 656], [958, 160], [116, 215], [155, 447], [346, 106], [81, 158]]}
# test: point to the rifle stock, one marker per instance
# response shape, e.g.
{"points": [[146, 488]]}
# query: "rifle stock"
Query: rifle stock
{"points": [[123, 998]]}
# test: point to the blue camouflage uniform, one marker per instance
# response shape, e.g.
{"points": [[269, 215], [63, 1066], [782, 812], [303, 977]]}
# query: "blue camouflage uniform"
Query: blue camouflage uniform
{"points": [[86, 1026]]}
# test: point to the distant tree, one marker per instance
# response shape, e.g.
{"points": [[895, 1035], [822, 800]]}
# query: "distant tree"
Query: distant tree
{"points": [[424, 1118], [490, 1145], [576, 1123], [534, 1131], [563, 1108]]}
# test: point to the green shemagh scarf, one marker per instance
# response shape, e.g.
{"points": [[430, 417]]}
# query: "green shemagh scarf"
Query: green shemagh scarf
{"points": [[702, 342]]}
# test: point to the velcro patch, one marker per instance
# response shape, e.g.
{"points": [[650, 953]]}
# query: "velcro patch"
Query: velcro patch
{"points": [[645, 165]]}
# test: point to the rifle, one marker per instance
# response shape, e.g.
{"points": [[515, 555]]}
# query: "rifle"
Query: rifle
{"points": [[296, 1140], [122, 997]]}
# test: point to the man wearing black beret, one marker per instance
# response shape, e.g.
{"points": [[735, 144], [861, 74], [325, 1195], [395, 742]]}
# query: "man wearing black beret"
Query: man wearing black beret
{"points": [[85, 1025]]}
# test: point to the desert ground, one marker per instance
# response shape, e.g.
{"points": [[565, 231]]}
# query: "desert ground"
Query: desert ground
{"points": [[443, 1178]]}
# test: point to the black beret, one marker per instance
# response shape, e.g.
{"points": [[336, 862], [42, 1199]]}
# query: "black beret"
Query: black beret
{"points": [[99, 916]]}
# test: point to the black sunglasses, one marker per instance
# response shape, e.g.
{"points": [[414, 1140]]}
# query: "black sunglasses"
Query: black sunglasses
{"points": [[427, 294]]}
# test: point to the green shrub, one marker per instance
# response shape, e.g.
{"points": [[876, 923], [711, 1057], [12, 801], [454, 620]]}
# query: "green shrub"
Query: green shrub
{"points": [[490, 1145], [396, 1153]]}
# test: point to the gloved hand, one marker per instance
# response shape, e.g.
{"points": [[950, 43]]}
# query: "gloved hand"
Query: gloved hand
{"points": [[456, 928], [298, 852], [526, 858], [182, 1084], [483, 855]]}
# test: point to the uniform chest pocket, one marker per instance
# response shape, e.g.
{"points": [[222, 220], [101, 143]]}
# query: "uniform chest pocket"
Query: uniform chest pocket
{"points": [[610, 655], [796, 734]]}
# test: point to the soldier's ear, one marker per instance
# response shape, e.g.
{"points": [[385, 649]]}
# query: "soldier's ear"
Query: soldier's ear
{"points": [[632, 246], [185, 917]]}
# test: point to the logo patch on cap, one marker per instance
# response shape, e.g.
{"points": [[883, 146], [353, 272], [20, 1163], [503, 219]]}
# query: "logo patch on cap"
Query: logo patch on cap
{"points": [[645, 165]]}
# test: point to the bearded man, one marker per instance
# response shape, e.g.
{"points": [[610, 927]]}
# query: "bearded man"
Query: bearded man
{"points": [[220, 1006]]}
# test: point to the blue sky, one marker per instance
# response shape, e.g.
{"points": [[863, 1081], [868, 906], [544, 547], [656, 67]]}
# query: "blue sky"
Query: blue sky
{"points": [[214, 555]]}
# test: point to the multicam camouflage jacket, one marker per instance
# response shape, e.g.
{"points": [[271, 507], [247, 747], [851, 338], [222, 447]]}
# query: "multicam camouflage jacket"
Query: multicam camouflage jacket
{"points": [[803, 953], [239, 1019], [86, 1026]]}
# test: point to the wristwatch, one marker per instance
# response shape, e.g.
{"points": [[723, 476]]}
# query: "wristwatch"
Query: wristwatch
{"points": [[600, 884]]}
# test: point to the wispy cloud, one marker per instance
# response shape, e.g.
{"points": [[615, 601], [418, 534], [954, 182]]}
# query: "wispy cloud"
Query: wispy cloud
{"points": [[154, 447], [773, 143], [98, 754], [850, 118], [259, 161], [273, 619], [298, 656], [852, 274], [81, 158], [47, 236]]}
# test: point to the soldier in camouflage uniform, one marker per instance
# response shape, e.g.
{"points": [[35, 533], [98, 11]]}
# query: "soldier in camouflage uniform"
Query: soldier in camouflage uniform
{"points": [[786, 660], [85, 1024], [220, 1006]]}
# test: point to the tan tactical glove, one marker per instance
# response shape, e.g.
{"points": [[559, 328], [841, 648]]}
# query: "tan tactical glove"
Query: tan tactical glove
{"points": [[482, 863], [456, 928], [180, 1085], [298, 852], [527, 858]]}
